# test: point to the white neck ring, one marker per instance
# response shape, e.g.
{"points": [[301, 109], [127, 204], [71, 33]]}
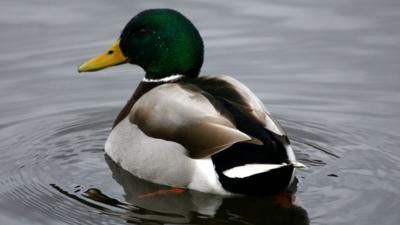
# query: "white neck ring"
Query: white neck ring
{"points": [[164, 79]]}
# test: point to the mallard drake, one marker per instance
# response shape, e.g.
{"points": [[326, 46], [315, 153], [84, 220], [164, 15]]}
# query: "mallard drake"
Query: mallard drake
{"points": [[208, 133]]}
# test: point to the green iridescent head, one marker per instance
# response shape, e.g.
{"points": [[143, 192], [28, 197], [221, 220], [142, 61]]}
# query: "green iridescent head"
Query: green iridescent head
{"points": [[161, 41]]}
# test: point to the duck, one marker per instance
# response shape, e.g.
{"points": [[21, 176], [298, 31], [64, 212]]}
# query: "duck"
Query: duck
{"points": [[205, 133]]}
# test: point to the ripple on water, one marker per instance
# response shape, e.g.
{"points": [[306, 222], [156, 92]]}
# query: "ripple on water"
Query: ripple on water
{"points": [[60, 170]]}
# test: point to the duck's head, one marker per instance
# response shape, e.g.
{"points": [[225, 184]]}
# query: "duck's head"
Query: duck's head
{"points": [[161, 41]]}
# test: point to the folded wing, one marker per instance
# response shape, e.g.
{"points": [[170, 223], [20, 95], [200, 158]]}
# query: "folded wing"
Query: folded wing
{"points": [[190, 114]]}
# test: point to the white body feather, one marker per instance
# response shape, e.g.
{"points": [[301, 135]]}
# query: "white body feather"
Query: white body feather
{"points": [[160, 161], [168, 110]]}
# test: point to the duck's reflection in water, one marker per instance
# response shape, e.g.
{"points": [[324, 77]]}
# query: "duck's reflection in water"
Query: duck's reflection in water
{"points": [[192, 207]]}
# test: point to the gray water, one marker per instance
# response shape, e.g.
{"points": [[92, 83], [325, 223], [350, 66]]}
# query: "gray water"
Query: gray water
{"points": [[327, 70]]}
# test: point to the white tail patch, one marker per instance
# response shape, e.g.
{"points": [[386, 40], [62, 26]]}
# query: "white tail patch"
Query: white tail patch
{"points": [[289, 152], [292, 157], [250, 169], [298, 164]]}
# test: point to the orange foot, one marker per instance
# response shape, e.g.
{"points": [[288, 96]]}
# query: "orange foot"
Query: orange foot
{"points": [[172, 191], [284, 199]]}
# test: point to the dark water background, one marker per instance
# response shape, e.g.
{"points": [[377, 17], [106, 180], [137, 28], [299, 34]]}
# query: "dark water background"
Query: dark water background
{"points": [[328, 70]]}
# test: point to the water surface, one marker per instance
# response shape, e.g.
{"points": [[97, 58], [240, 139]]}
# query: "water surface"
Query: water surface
{"points": [[328, 71]]}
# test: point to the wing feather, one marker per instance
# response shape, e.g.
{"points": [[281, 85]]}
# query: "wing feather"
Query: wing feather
{"points": [[189, 113], [187, 117]]}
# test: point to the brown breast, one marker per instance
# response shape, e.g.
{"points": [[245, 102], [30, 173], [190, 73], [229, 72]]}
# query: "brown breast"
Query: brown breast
{"points": [[142, 89]]}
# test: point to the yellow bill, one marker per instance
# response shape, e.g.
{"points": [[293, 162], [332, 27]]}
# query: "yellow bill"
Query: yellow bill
{"points": [[111, 57]]}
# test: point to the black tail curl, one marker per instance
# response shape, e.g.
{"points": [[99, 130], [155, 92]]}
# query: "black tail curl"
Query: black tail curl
{"points": [[271, 152]]}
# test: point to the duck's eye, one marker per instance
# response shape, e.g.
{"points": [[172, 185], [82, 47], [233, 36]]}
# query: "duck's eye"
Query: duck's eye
{"points": [[141, 32]]}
